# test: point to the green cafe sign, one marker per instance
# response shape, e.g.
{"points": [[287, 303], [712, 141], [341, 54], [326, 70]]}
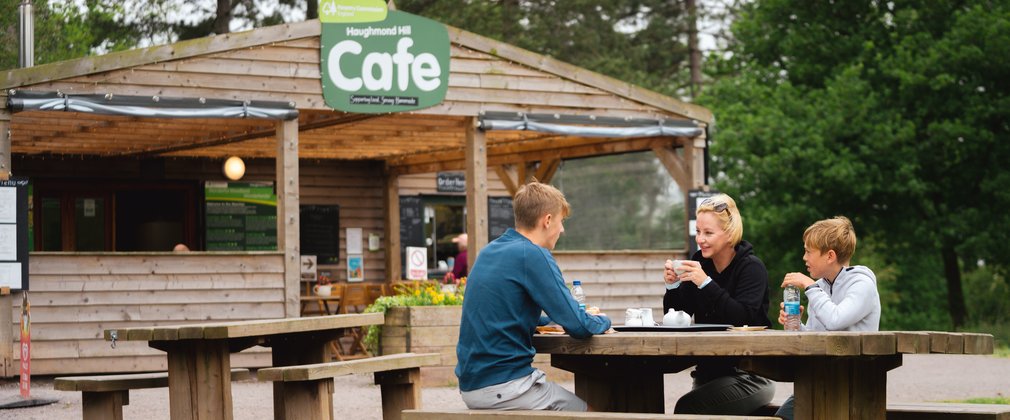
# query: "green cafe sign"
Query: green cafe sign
{"points": [[375, 60]]}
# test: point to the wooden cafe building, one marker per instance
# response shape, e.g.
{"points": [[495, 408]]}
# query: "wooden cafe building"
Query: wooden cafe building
{"points": [[124, 155]]}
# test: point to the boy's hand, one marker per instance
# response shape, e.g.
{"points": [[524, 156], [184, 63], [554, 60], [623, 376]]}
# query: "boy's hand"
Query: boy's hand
{"points": [[797, 279], [782, 313]]}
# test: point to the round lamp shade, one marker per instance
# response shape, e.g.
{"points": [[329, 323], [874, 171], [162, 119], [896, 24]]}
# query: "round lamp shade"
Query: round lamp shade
{"points": [[234, 168]]}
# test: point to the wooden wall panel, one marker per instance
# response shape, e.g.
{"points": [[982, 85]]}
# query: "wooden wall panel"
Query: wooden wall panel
{"points": [[618, 280], [75, 297]]}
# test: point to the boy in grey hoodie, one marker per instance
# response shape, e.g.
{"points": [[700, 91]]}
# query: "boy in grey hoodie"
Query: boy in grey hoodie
{"points": [[844, 298]]}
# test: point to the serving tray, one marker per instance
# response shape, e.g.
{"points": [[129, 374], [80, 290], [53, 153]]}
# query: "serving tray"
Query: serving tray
{"points": [[686, 328]]}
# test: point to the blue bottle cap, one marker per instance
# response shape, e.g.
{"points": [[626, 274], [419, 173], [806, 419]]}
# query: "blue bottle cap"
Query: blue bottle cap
{"points": [[577, 283]]}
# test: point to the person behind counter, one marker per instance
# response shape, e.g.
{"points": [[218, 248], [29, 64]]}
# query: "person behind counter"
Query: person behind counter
{"points": [[515, 278], [723, 283]]}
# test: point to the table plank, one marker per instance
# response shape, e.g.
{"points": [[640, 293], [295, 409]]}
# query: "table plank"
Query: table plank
{"points": [[912, 342], [731, 343], [238, 329]]}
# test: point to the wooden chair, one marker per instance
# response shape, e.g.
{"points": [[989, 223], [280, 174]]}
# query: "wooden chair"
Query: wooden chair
{"points": [[375, 291], [354, 300]]}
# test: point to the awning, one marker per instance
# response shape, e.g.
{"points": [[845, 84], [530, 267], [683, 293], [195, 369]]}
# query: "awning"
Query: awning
{"points": [[150, 106], [588, 126]]}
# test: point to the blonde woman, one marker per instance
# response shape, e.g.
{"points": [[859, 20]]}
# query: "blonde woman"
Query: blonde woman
{"points": [[723, 283]]}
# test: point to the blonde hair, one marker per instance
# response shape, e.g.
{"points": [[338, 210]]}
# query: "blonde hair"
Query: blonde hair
{"points": [[834, 234], [724, 209], [534, 200]]}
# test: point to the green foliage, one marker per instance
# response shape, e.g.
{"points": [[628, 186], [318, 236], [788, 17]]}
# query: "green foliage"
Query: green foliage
{"points": [[891, 113], [412, 294]]}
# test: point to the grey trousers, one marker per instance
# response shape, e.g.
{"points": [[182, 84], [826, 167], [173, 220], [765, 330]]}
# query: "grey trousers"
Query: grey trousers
{"points": [[737, 394]]}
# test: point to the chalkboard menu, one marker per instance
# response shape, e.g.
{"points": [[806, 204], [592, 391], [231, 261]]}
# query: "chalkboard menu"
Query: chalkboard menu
{"points": [[320, 233], [499, 216], [14, 233], [411, 224], [241, 216]]}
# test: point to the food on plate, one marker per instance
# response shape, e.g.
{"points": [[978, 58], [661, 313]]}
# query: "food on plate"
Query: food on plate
{"points": [[592, 310], [550, 329]]}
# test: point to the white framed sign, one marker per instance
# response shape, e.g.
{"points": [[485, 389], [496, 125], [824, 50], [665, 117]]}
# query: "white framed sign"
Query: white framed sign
{"points": [[417, 263]]}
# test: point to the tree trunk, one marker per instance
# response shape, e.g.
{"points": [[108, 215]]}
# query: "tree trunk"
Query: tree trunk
{"points": [[692, 45], [311, 9], [222, 24], [955, 294]]}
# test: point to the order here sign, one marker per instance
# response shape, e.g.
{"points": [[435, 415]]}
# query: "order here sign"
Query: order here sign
{"points": [[374, 60]]}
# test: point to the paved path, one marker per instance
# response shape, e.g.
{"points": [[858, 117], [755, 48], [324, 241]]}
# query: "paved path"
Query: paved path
{"points": [[921, 378]]}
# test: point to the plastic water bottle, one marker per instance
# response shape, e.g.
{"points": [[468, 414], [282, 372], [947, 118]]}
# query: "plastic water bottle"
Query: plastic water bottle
{"points": [[791, 300], [578, 294]]}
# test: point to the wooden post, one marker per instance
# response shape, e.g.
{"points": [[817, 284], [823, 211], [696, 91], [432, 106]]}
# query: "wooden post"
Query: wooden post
{"points": [[287, 212], [476, 191], [199, 379], [675, 165], [5, 140], [400, 389], [694, 157], [392, 196], [7, 368]]}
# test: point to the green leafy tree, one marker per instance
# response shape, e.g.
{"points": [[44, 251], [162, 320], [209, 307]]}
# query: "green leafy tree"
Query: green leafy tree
{"points": [[892, 113]]}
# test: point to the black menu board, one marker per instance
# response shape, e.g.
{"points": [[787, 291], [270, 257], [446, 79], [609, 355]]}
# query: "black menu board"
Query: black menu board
{"points": [[320, 233]]}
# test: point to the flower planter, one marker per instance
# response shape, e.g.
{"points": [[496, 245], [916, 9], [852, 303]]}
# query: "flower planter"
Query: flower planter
{"points": [[424, 329]]}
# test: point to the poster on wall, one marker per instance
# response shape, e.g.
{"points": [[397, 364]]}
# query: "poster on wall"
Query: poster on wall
{"points": [[355, 267], [14, 233], [241, 216]]}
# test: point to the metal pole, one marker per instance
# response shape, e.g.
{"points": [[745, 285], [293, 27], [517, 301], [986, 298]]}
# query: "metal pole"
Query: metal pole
{"points": [[26, 55]]}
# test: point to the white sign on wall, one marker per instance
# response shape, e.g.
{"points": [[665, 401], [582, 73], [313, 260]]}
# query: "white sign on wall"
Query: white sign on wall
{"points": [[417, 263]]}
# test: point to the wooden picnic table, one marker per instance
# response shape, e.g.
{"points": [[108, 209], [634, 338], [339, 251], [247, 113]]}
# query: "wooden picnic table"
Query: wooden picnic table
{"points": [[199, 362], [836, 375]]}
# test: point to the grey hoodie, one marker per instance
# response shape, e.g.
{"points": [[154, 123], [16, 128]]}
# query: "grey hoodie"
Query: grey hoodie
{"points": [[850, 304]]}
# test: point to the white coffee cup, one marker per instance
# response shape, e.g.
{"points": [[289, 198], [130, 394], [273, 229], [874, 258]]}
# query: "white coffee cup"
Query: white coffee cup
{"points": [[322, 290], [677, 267], [633, 317]]}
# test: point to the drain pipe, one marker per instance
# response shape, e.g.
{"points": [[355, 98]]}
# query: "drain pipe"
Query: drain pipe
{"points": [[26, 55]]}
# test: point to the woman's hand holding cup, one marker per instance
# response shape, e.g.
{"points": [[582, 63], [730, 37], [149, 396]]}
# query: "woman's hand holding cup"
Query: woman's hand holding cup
{"points": [[671, 270], [690, 270]]}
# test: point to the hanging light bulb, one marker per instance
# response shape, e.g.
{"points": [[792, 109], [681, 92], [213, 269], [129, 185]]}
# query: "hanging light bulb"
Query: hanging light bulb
{"points": [[234, 168]]}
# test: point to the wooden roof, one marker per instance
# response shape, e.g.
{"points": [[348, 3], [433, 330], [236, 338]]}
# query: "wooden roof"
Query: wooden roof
{"points": [[281, 63]]}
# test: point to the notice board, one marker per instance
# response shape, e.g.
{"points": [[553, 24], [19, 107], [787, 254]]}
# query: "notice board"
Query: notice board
{"points": [[240, 216], [14, 233], [320, 233]]}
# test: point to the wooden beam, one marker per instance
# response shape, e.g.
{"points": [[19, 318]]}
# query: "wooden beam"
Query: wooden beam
{"points": [[5, 141], [327, 122], [476, 191], [547, 169], [456, 162], [392, 196], [505, 175], [288, 222], [675, 165]]}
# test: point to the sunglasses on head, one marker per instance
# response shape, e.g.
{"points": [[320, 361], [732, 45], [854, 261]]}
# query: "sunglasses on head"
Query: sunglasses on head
{"points": [[717, 207]]}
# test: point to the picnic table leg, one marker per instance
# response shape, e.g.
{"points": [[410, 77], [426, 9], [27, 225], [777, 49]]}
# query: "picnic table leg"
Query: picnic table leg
{"points": [[308, 400], [296, 351], [843, 388], [104, 405], [401, 390], [199, 379], [619, 383]]}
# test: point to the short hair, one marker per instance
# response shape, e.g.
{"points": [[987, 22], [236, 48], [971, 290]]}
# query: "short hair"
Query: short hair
{"points": [[834, 234], [725, 210], [534, 200]]}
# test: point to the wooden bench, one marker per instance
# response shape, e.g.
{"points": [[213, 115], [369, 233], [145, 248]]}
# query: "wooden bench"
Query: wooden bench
{"points": [[947, 411], [935, 411], [557, 415], [104, 396], [308, 389]]}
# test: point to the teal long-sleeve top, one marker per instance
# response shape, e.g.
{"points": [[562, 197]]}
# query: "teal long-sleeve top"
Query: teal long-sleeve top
{"points": [[511, 282]]}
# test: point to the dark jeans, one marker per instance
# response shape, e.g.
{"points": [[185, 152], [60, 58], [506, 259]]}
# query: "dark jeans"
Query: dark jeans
{"points": [[737, 394], [786, 410]]}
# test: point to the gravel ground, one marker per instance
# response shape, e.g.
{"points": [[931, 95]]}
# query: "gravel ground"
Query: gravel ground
{"points": [[921, 378]]}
